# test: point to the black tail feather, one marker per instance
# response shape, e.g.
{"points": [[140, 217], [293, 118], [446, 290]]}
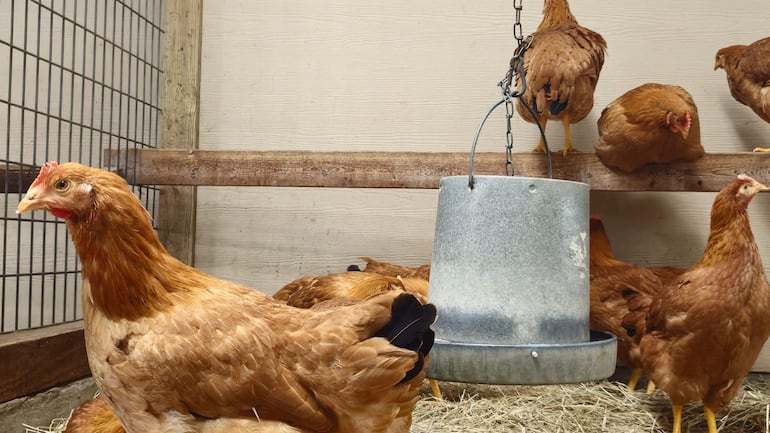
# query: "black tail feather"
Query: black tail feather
{"points": [[409, 328], [557, 107], [354, 268]]}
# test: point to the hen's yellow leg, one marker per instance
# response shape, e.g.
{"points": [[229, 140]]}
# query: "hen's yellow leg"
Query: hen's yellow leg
{"points": [[762, 149], [650, 387], [541, 145], [677, 419], [567, 139], [711, 420], [435, 389], [636, 373]]}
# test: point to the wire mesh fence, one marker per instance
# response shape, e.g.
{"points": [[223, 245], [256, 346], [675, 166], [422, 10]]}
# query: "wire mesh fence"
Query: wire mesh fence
{"points": [[78, 78]]}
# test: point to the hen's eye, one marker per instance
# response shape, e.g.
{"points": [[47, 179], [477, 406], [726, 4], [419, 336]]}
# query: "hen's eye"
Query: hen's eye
{"points": [[62, 185]]}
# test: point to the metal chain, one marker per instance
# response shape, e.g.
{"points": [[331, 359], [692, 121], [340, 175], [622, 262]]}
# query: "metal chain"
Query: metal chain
{"points": [[518, 32], [508, 134], [516, 68]]}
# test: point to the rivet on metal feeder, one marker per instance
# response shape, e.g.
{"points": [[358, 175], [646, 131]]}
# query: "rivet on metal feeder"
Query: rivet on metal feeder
{"points": [[510, 273]]}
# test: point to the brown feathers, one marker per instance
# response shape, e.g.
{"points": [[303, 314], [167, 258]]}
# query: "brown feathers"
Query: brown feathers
{"points": [[562, 67], [652, 123], [610, 280], [384, 268], [174, 349], [94, 416], [748, 74], [704, 330], [307, 291]]}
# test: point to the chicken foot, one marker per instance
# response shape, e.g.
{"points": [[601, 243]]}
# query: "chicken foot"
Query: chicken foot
{"points": [[636, 373], [650, 387], [565, 121], [710, 419], [677, 419], [435, 389]]}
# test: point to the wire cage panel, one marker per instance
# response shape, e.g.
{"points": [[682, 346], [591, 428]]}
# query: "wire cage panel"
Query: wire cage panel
{"points": [[77, 78]]}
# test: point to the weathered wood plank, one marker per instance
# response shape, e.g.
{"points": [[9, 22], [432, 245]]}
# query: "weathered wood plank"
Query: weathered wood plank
{"points": [[17, 179], [425, 169], [38, 359], [181, 114]]}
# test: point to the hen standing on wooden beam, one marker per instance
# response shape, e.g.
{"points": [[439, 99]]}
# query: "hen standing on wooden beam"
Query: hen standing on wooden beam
{"points": [[748, 76], [562, 67]]}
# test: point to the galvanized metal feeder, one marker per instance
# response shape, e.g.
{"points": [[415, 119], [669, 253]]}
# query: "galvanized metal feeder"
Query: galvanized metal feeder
{"points": [[510, 279]]}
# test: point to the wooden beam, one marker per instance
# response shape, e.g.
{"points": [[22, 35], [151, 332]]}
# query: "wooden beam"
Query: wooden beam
{"points": [[17, 179], [181, 109], [38, 359], [424, 169]]}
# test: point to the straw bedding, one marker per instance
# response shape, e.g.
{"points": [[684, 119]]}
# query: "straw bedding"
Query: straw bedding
{"points": [[601, 407]]}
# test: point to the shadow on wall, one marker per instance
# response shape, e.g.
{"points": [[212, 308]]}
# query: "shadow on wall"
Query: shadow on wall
{"points": [[751, 131]]}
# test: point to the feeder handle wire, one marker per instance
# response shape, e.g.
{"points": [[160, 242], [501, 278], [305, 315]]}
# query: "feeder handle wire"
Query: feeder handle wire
{"points": [[516, 63]]}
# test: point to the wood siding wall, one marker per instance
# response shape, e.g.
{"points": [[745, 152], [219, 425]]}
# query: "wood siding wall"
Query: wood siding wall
{"points": [[346, 75]]}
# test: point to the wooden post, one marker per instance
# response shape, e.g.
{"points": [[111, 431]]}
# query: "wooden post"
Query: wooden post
{"points": [[181, 109], [37, 359]]}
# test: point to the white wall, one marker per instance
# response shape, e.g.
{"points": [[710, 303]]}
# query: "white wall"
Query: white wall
{"points": [[418, 75]]}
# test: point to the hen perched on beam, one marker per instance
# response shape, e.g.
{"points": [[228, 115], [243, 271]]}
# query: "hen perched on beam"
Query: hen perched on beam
{"points": [[562, 67], [174, 349], [652, 123], [748, 76]]}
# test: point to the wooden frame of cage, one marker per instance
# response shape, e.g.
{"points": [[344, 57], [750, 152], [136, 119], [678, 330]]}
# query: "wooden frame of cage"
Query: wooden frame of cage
{"points": [[39, 359]]}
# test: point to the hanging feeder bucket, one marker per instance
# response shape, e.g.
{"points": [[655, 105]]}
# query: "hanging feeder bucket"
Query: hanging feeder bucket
{"points": [[510, 279]]}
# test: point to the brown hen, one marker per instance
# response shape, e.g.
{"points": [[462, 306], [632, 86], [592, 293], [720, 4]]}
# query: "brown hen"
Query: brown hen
{"points": [[94, 416], [700, 335], [610, 278], [653, 123], [562, 67], [306, 292], [384, 268], [174, 349], [748, 76]]}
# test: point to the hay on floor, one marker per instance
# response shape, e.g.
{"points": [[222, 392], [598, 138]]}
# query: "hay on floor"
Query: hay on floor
{"points": [[58, 425], [602, 407]]}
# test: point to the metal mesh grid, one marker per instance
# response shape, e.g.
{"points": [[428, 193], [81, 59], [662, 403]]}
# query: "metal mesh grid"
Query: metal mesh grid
{"points": [[77, 78]]}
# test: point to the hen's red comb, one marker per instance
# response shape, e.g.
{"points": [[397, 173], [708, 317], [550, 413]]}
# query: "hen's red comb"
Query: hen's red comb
{"points": [[45, 170]]}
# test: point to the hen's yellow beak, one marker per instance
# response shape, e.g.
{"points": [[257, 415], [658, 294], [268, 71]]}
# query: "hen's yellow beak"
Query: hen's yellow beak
{"points": [[31, 201]]}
